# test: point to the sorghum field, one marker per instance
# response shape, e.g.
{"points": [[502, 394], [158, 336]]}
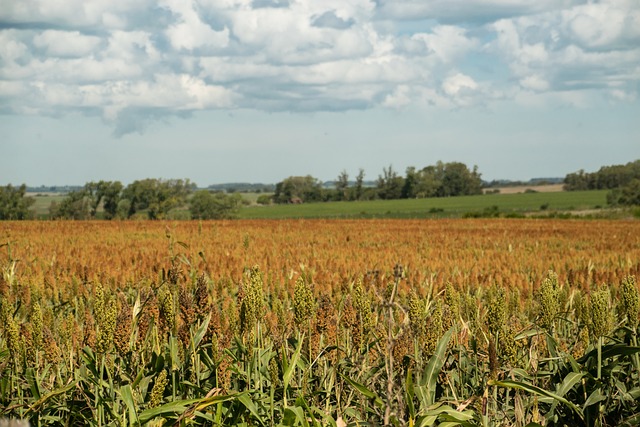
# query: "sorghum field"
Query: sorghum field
{"points": [[320, 323]]}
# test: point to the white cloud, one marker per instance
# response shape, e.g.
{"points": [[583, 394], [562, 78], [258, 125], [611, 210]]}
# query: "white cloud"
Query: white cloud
{"points": [[132, 61], [460, 11], [447, 42], [190, 32], [66, 43]]}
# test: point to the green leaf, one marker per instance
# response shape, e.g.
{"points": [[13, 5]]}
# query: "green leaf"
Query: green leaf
{"points": [[610, 350], [171, 408], [202, 330], [33, 382], [289, 368], [436, 362], [633, 420], [594, 398], [294, 416], [364, 391], [54, 393], [539, 391], [251, 407], [569, 381], [127, 397]]}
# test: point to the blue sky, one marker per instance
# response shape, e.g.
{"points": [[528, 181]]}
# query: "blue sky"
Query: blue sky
{"points": [[258, 90]]}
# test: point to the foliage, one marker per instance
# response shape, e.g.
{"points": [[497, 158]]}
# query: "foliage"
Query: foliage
{"points": [[106, 193], [206, 205], [298, 188], [389, 184], [76, 205], [607, 177], [627, 195], [155, 197], [264, 199], [14, 205]]}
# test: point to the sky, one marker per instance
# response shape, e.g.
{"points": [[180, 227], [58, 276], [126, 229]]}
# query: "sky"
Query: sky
{"points": [[258, 90]]}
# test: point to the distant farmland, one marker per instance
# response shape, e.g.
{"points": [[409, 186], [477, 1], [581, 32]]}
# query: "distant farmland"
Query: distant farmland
{"points": [[542, 200], [505, 204]]}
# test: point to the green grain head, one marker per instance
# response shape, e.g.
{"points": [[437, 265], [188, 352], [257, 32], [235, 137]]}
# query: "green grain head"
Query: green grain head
{"points": [[496, 309], [548, 297], [629, 301], [158, 389], [600, 313], [303, 302]]}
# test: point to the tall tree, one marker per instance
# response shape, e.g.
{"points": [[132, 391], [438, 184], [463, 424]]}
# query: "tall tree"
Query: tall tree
{"points": [[304, 188], [107, 193], [14, 204], [458, 180], [359, 189], [154, 196], [342, 186], [390, 184]]}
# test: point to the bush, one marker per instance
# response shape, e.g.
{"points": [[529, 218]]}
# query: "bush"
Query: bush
{"points": [[264, 199]]}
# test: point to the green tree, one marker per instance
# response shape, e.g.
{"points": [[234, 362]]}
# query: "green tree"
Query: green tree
{"points": [[359, 188], [576, 181], [458, 180], [76, 205], [429, 181], [156, 197], [342, 186], [628, 195], [607, 177], [14, 204], [304, 188], [107, 193], [410, 183], [206, 205], [390, 184]]}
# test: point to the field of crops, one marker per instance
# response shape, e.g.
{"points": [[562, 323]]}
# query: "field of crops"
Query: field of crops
{"points": [[542, 203], [477, 322]]}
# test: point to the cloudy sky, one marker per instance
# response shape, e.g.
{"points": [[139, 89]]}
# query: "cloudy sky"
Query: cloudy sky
{"points": [[258, 90]]}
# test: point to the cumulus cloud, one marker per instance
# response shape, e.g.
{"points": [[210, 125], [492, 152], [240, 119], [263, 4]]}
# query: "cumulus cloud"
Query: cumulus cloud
{"points": [[463, 11], [591, 46], [136, 62]]}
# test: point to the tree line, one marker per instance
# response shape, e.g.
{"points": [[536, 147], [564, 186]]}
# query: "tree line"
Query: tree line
{"points": [[439, 180], [148, 198], [155, 198], [622, 180]]}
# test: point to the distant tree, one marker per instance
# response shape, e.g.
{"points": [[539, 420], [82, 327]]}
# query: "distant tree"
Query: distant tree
{"points": [[123, 209], [606, 178], [304, 188], [342, 186], [14, 205], [409, 190], [107, 193], [156, 197], [576, 181], [390, 184], [629, 195], [458, 180], [76, 205], [429, 181], [358, 190], [206, 205]]}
